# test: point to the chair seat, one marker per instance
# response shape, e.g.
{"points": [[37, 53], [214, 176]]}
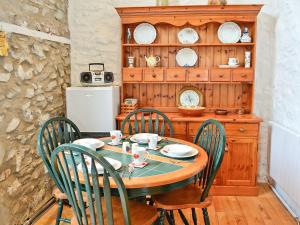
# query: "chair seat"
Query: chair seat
{"points": [[182, 198], [140, 214]]}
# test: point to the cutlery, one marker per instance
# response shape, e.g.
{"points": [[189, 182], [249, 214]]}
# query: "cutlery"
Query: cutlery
{"points": [[130, 170]]}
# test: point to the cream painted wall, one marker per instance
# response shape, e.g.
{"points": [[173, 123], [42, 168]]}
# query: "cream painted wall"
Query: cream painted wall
{"points": [[95, 37]]}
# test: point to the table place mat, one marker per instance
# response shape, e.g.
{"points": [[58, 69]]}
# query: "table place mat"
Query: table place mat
{"points": [[154, 167], [162, 144]]}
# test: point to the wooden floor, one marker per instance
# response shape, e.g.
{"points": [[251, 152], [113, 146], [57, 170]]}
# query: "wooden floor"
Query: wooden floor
{"points": [[264, 209]]}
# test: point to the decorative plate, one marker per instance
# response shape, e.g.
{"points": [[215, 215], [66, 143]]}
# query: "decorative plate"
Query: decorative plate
{"points": [[179, 151], [115, 163], [142, 138], [188, 36], [186, 57], [189, 96], [144, 33], [229, 32]]}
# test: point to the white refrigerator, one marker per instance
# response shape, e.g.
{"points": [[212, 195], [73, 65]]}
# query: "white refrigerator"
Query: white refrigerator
{"points": [[93, 109]]}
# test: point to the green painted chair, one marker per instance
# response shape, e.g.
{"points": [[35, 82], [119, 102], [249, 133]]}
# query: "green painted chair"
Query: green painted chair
{"points": [[56, 131], [151, 121], [90, 203], [211, 137]]}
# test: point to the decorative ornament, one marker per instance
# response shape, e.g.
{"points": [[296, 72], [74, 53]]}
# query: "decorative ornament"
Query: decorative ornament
{"points": [[245, 35], [162, 2], [3, 44], [217, 2]]}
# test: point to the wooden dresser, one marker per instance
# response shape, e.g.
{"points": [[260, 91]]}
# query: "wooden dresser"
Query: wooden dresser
{"points": [[229, 89]]}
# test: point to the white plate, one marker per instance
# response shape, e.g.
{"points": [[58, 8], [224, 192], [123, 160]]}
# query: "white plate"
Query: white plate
{"points": [[229, 32], [188, 36], [142, 138], [174, 151], [228, 66], [115, 163], [186, 57], [144, 33], [92, 143]]}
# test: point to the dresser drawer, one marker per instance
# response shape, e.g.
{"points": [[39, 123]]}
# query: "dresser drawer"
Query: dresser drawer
{"points": [[242, 75], [197, 75], [175, 74], [179, 128], [153, 75], [193, 128], [220, 75], [132, 74], [241, 129]]}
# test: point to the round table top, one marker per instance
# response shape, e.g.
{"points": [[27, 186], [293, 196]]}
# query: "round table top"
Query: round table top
{"points": [[161, 170]]}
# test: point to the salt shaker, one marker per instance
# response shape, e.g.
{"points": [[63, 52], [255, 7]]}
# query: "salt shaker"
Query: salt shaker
{"points": [[247, 59]]}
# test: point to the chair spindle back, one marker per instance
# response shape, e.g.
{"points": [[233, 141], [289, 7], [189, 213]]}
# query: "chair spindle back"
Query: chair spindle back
{"points": [[97, 208]]}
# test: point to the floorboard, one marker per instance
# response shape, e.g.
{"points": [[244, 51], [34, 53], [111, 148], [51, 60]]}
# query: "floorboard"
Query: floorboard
{"points": [[264, 209]]}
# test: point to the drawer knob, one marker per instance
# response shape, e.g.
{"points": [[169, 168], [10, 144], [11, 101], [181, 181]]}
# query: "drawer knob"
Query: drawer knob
{"points": [[198, 75], [175, 75], [131, 75], [244, 75], [154, 75], [242, 130], [226, 147], [221, 75]]}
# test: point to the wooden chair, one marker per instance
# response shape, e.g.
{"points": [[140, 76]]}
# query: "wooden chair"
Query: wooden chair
{"points": [[157, 122], [211, 137], [56, 131], [99, 207]]}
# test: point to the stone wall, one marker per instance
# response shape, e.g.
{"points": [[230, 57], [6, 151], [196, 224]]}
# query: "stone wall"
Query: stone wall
{"points": [[33, 78], [49, 16]]}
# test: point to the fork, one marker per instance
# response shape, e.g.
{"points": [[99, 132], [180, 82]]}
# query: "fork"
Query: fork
{"points": [[130, 170]]}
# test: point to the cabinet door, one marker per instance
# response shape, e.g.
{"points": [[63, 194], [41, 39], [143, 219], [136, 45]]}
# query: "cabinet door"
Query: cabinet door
{"points": [[240, 162]]}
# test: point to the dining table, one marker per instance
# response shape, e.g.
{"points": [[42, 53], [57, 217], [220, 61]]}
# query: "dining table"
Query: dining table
{"points": [[161, 174]]}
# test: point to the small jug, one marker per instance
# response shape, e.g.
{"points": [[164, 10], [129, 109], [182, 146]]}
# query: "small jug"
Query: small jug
{"points": [[152, 60]]}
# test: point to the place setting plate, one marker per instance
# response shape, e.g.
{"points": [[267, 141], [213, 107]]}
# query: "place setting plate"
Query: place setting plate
{"points": [[115, 163], [142, 138], [179, 151], [92, 143]]}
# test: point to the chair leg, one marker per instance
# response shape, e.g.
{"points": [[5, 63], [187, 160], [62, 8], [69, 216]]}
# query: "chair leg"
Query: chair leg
{"points": [[205, 216], [182, 216], [162, 217], [59, 211], [194, 215], [172, 217]]}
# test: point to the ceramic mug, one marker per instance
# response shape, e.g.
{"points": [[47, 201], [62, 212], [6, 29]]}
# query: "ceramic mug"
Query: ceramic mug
{"points": [[152, 141], [233, 61], [139, 155], [116, 136]]}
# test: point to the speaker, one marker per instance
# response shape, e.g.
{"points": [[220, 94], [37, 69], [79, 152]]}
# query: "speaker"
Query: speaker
{"points": [[86, 77], [108, 77]]}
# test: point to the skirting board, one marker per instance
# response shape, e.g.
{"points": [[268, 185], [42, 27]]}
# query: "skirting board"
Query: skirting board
{"points": [[285, 200]]}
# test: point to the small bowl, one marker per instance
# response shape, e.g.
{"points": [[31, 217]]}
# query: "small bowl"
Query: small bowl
{"points": [[191, 111], [221, 112]]}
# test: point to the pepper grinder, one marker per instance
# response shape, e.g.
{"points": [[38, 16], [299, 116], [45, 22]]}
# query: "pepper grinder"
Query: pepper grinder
{"points": [[128, 35], [247, 59]]}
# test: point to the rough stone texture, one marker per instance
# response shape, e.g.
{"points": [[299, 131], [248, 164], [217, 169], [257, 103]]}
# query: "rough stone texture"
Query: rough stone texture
{"points": [[40, 72], [48, 16]]}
